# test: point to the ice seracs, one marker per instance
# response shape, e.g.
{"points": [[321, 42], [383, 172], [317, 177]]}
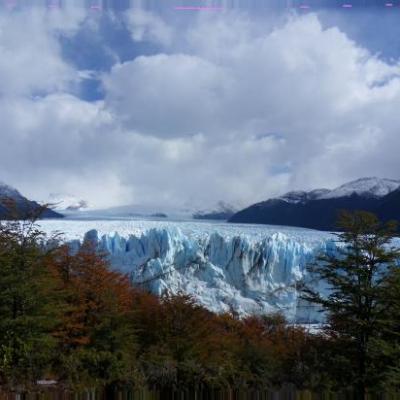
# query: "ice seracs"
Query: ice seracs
{"points": [[248, 269], [224, 273]]}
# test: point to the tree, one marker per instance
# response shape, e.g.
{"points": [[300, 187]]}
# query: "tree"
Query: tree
{"points": [[28, 303], [391, 332], [96, 339], [174, 342], [356, 275]]}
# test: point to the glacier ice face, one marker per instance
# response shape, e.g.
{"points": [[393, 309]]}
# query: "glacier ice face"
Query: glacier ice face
{"points": [[245, 268], [247, 275]]}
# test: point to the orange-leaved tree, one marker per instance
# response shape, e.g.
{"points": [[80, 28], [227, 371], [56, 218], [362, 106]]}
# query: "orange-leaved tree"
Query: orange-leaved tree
{"points": [[96, 337]]}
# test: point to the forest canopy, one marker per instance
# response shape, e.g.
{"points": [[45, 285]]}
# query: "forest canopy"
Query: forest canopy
{"points": [[67, 316]]}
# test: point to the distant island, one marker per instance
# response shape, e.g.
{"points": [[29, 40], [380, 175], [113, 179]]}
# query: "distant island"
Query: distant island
{"points": [[159, 215]]}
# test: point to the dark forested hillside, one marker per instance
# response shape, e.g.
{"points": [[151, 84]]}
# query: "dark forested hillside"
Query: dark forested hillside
{"points": [[389, 206], [317, 214], [14, 205]]}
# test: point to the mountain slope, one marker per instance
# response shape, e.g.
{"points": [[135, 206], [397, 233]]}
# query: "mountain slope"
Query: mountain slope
{"points": [[320, 212], [389, 206], [14, 205], [222, 211], [368, 187]]}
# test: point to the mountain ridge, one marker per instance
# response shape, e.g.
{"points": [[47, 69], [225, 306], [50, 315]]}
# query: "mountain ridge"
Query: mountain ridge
{"points": [[14, 205], [381, 196]]}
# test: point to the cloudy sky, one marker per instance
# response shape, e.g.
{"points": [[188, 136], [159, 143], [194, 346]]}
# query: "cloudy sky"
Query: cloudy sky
{"points": [[147, 107]]}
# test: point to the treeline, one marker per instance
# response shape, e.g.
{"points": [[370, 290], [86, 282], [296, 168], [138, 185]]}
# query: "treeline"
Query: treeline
{"points": [[66, 316]]}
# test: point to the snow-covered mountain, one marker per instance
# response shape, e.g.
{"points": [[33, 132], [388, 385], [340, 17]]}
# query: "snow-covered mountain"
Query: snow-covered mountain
{"points": [[301, 196], [222, 211], [319, 208], [367, 187]]}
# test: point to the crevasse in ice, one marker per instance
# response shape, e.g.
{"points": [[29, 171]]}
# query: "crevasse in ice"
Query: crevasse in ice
{"points": [[222, 273]]}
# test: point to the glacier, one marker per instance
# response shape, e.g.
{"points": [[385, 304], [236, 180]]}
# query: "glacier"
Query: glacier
{"points": [[225, 267]]}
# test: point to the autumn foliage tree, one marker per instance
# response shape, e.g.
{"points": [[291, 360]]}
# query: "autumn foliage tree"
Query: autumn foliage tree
{"points": [[96, 340], [182, 345]]}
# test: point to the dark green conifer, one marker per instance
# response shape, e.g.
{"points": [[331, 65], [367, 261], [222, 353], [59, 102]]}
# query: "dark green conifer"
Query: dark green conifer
{"points": [[357, 277], [28, 304]]}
